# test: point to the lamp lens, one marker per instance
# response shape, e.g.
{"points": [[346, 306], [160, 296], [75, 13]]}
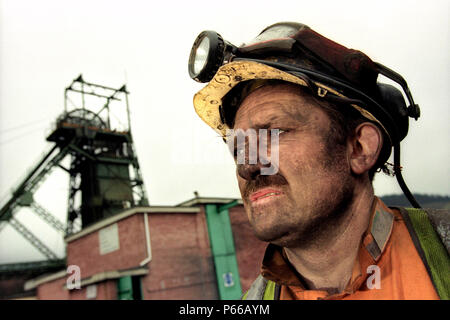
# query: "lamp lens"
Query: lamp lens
{"points": [[201, 55]]}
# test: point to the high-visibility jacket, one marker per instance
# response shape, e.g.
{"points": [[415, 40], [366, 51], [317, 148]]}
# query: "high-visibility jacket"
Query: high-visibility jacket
{"points": [[430, 233]]}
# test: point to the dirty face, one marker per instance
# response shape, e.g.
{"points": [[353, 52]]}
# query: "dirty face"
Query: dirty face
{"points": [[312, 187]]}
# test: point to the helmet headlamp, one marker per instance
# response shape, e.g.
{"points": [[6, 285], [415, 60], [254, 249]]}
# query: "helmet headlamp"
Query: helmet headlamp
{"points": [[209, 52]]}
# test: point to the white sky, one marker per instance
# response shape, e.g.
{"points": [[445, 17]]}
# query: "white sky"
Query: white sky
{"points": [[46, 44]]}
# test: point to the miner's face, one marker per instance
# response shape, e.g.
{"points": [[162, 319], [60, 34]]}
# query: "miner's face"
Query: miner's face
{"points": [[310, 184]]}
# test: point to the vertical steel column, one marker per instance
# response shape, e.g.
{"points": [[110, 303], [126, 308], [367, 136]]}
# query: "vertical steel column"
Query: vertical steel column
{"points": [[222, 247]]}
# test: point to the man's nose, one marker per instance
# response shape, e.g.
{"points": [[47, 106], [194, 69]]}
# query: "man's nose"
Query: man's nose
{"points": [[249, 171], [253, 158]]}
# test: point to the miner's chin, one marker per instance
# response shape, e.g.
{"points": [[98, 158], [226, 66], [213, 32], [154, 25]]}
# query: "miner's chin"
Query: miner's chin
{"points": [[285, 240], [275, 235], [281, 235]]}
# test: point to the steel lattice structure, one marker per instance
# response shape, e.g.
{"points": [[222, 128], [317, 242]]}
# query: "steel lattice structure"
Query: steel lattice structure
{"points": [[104, 173]]}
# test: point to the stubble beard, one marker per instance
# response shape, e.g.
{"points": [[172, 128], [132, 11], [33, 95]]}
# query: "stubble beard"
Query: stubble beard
{"points": [[308, 222]]}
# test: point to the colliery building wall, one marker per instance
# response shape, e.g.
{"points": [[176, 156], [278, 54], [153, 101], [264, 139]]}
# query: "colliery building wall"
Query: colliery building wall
{"points": [[182, 266], [183, 259]]}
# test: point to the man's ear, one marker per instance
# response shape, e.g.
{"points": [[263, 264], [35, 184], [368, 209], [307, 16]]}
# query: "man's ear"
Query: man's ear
{"points": [[365, 147]]}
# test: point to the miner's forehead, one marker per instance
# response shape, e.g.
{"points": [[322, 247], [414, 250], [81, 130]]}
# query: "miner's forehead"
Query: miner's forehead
{"points": [[276, 102]]}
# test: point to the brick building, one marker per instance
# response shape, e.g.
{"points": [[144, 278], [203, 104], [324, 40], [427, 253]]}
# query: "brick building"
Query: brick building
{"points": [[203, 248]]}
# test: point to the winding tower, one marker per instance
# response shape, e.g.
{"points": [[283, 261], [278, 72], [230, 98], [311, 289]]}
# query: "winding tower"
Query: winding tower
{"points": [[94, 131]]}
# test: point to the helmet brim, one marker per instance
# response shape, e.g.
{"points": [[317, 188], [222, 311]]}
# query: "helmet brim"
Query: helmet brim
{"points": [[209, 99]]}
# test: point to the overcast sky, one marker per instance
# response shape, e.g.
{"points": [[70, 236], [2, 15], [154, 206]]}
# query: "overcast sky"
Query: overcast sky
{"points": [[146, 44]]}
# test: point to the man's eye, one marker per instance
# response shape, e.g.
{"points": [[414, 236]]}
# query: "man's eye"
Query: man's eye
{"points": [[280, 131]]}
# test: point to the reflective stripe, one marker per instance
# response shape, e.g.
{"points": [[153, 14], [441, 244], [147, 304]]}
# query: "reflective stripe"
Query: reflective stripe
{"points": [[269, 293], [436, 256], [261, 289]]}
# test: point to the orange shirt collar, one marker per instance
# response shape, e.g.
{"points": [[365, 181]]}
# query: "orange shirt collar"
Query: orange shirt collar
{"points": [[276, 266]]}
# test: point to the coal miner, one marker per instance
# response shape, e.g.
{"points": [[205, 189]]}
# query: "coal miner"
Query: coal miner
{"points": [[309, 126]]}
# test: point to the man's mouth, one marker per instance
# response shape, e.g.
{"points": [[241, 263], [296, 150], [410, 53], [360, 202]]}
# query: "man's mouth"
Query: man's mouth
{"points": [[264, 193]]}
